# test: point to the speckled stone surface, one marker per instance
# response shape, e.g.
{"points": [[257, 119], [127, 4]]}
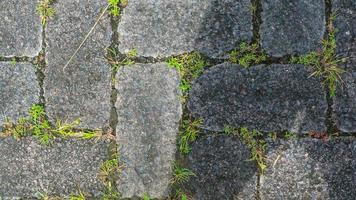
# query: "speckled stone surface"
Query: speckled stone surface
{"points": [[345, 101], [292, 27], [19, 89], [82, 90], [149, 110], [266, 98], [310, 169], [222, 169], [27, 167], [160, 28], [20, 28]]}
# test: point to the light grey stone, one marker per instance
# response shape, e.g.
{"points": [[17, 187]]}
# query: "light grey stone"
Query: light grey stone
{"points": [[149, 111], [310, 169], [20, 28], [82, 90], [19, 89], [222, 168], [27, 167], [292, 27], [160, 28], [267, 98]]}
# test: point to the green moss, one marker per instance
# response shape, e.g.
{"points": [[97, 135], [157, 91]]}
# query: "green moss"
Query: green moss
{"points": [[325, 62], [247, 55]]}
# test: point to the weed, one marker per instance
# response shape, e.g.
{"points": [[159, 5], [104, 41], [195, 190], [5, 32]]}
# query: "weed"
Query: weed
{"points": [[13, 61], [115, 6], [189, 66], [247, 55], [228, 130], [45, 11], [109, 172], [80, 196], [257, 146], [189, 133], [325, 62], [289, 135], [181, 175], [116, 62], [146, 197]]}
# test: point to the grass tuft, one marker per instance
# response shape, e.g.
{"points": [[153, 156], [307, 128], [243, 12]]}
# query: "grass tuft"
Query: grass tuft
{"points": [[189, 66], [116, 60], [181, 175], [188, 133], [325, 62], [45, 11], [247, 55]]}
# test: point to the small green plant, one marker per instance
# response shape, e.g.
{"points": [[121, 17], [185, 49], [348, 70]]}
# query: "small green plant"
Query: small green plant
{"points": [[324, 62], [146, 197], [45, 11], [188, 133], [13, 61], [257, 146], [79, 196], [189, 66], [116, 60], [228, 130], [109, 172], [181, 175], [115, 6], [247, 55], [289, 135]]}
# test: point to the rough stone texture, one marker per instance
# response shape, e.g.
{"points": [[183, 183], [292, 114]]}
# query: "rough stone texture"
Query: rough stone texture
{"points": [[345, 101], [149, 111], [19, 89], [160, 28], [310, 169], [222, 168], [28, 167], [266, 98], [20, 28], [292, 27], [82, 90]]}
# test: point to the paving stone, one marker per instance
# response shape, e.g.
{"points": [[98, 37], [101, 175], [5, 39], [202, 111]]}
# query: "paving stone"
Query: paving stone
{"points": [[20, 28], [149, 111], [292, 27], [160, 28], [27, 167], [345, 101], [82, 90], [310, 169], [222, 168], [266, 98], [19, 89]]}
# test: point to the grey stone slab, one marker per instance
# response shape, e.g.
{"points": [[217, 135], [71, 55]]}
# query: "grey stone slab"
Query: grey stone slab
{"points": [[20, 28], [310, 169], [266, 98], [292, 27], [27, 167], [82, 90], [345, 101], [222, 168], [149, 110], [160, 28], [19, 89]]}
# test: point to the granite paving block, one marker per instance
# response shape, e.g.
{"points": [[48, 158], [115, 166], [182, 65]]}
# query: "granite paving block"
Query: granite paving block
{"points": [[82, 90], [345, 101], [19, 89], [310, 169], [149, 110], [222, 168], [160, 28], [292, 27], [267, 98], [27, 167], [20, 28]]}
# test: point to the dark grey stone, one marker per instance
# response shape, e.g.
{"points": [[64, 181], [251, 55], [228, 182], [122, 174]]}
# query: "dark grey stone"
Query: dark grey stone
{"points": [[292, 27], [149, 110], [310, 169], [222, 168], [19, 89], [266, 98], [82, 90], [27, 167], [161, 28], [345, 101], [20, 28]]}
